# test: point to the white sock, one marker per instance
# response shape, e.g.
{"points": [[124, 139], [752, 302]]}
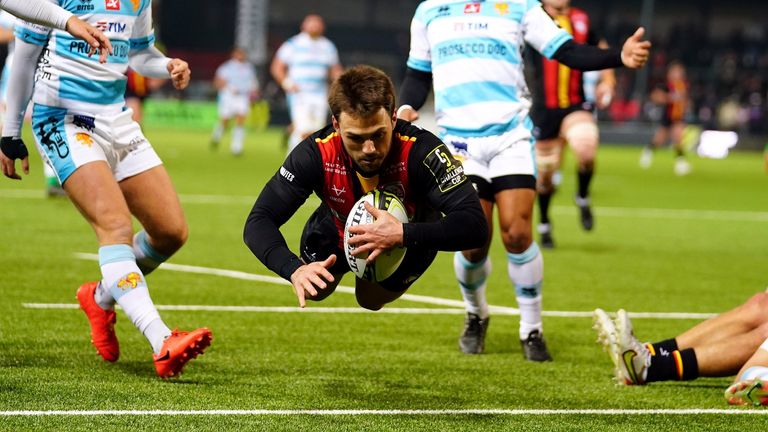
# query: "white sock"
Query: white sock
{"points": [[238, 136], [472, 281], [218, 131], [526, 270], [147, 258], [103, 297], [126, 283]]}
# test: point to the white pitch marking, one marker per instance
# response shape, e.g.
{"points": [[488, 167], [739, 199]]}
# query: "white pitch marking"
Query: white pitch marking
{"points": [[279, 309], [395, 412], [280, 281], [645, 213]]}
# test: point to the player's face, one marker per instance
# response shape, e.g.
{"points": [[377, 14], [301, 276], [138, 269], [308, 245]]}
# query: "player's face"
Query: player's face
{"points": [[313, 25], [366, 139]]}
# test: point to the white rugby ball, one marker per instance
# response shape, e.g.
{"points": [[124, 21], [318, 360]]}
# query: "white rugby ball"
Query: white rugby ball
{"points": [[386, 263]]}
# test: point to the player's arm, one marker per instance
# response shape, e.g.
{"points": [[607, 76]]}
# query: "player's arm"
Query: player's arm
{"points": [[283, 194], [555, 43], [418, 74], [51, 15], [440, 178], [147, 60], [30, 41], [413, 93], [279, 69]]}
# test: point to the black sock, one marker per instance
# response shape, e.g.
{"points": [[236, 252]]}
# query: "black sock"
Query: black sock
{"points": [[668, 346], [585, 178], [679, 152], [544, 199], [676, 366]]}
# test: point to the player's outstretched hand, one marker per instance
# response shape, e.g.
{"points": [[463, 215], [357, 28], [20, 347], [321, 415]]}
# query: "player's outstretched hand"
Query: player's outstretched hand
{"points": [[385, 233], [11, 149], [635, 52], [94, 37], [180, 73], [309, 277]]}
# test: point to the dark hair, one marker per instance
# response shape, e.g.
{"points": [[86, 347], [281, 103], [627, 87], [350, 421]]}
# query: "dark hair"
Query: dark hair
{"points": [[361, 91]]}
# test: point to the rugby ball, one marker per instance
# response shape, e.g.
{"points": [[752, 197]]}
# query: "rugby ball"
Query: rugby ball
{"points": [[386, 263]]}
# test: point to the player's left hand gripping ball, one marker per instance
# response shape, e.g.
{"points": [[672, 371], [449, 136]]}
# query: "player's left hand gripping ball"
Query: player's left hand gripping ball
{"points": [[180, 73], [12, 148]]}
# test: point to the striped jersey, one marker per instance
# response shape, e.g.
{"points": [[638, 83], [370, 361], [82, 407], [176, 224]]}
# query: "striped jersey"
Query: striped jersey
{"points": [[66, 77], [239, 77], [309, 61], [555, 85], [474, 52]]}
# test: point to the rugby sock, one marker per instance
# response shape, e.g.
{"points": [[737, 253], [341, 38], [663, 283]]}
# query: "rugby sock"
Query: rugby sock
{"points": [[585, 178], [126, 284], [472, 280], [147, 257], [103, 297], [679, 152], [544, 200], [238, 137], [526, 270], [674, 366], [218, 132], [662, 348]]}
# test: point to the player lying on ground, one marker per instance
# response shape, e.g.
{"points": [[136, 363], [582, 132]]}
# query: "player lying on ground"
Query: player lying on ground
{"points": [[106, 165], [725, 345], [365, 148]]}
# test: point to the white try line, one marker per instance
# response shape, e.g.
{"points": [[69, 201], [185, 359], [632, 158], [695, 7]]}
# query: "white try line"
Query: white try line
{"points": [[620, 212], [456, 307], [395, 412]]}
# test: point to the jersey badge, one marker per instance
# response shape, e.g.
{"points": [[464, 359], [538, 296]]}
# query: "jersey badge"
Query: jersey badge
{"points": [[472, 8], [84, 139], [502, 8], [446, 170], [113, 5]]}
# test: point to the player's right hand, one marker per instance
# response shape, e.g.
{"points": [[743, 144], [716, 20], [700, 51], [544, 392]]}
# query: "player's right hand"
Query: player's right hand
{"points": [[407, 114], [635, 52], [309, 277], [11, 149], [95, 38], [180, 73]]}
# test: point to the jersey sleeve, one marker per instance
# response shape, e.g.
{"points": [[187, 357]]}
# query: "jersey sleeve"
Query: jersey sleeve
{"points": [[541, 32], [285, 52], [32, 33], [420, 56], [282, 196], [440, 183], [143, 35]]}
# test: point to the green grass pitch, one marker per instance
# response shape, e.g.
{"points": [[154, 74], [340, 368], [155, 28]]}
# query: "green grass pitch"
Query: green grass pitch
{"points": [[661, 244]]}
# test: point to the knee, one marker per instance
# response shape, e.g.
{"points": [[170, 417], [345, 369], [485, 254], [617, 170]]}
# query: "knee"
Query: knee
{"points": [[172, 238], [475, 255], [367, 303], [583, 139], [516, 239], [757, 309]]}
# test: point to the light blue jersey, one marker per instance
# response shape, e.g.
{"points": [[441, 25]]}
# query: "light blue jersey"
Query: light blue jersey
{"points": [[239, 77], [474, 52], [66, 77], [309, 62]]}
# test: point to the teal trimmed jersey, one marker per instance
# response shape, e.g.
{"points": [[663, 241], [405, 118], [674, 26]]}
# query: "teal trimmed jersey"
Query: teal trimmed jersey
{"points": [[66, 76]]}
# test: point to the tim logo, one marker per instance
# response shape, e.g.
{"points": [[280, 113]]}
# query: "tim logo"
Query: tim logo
{"points": [[106, 26], [472, 8], [112, 4]]}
